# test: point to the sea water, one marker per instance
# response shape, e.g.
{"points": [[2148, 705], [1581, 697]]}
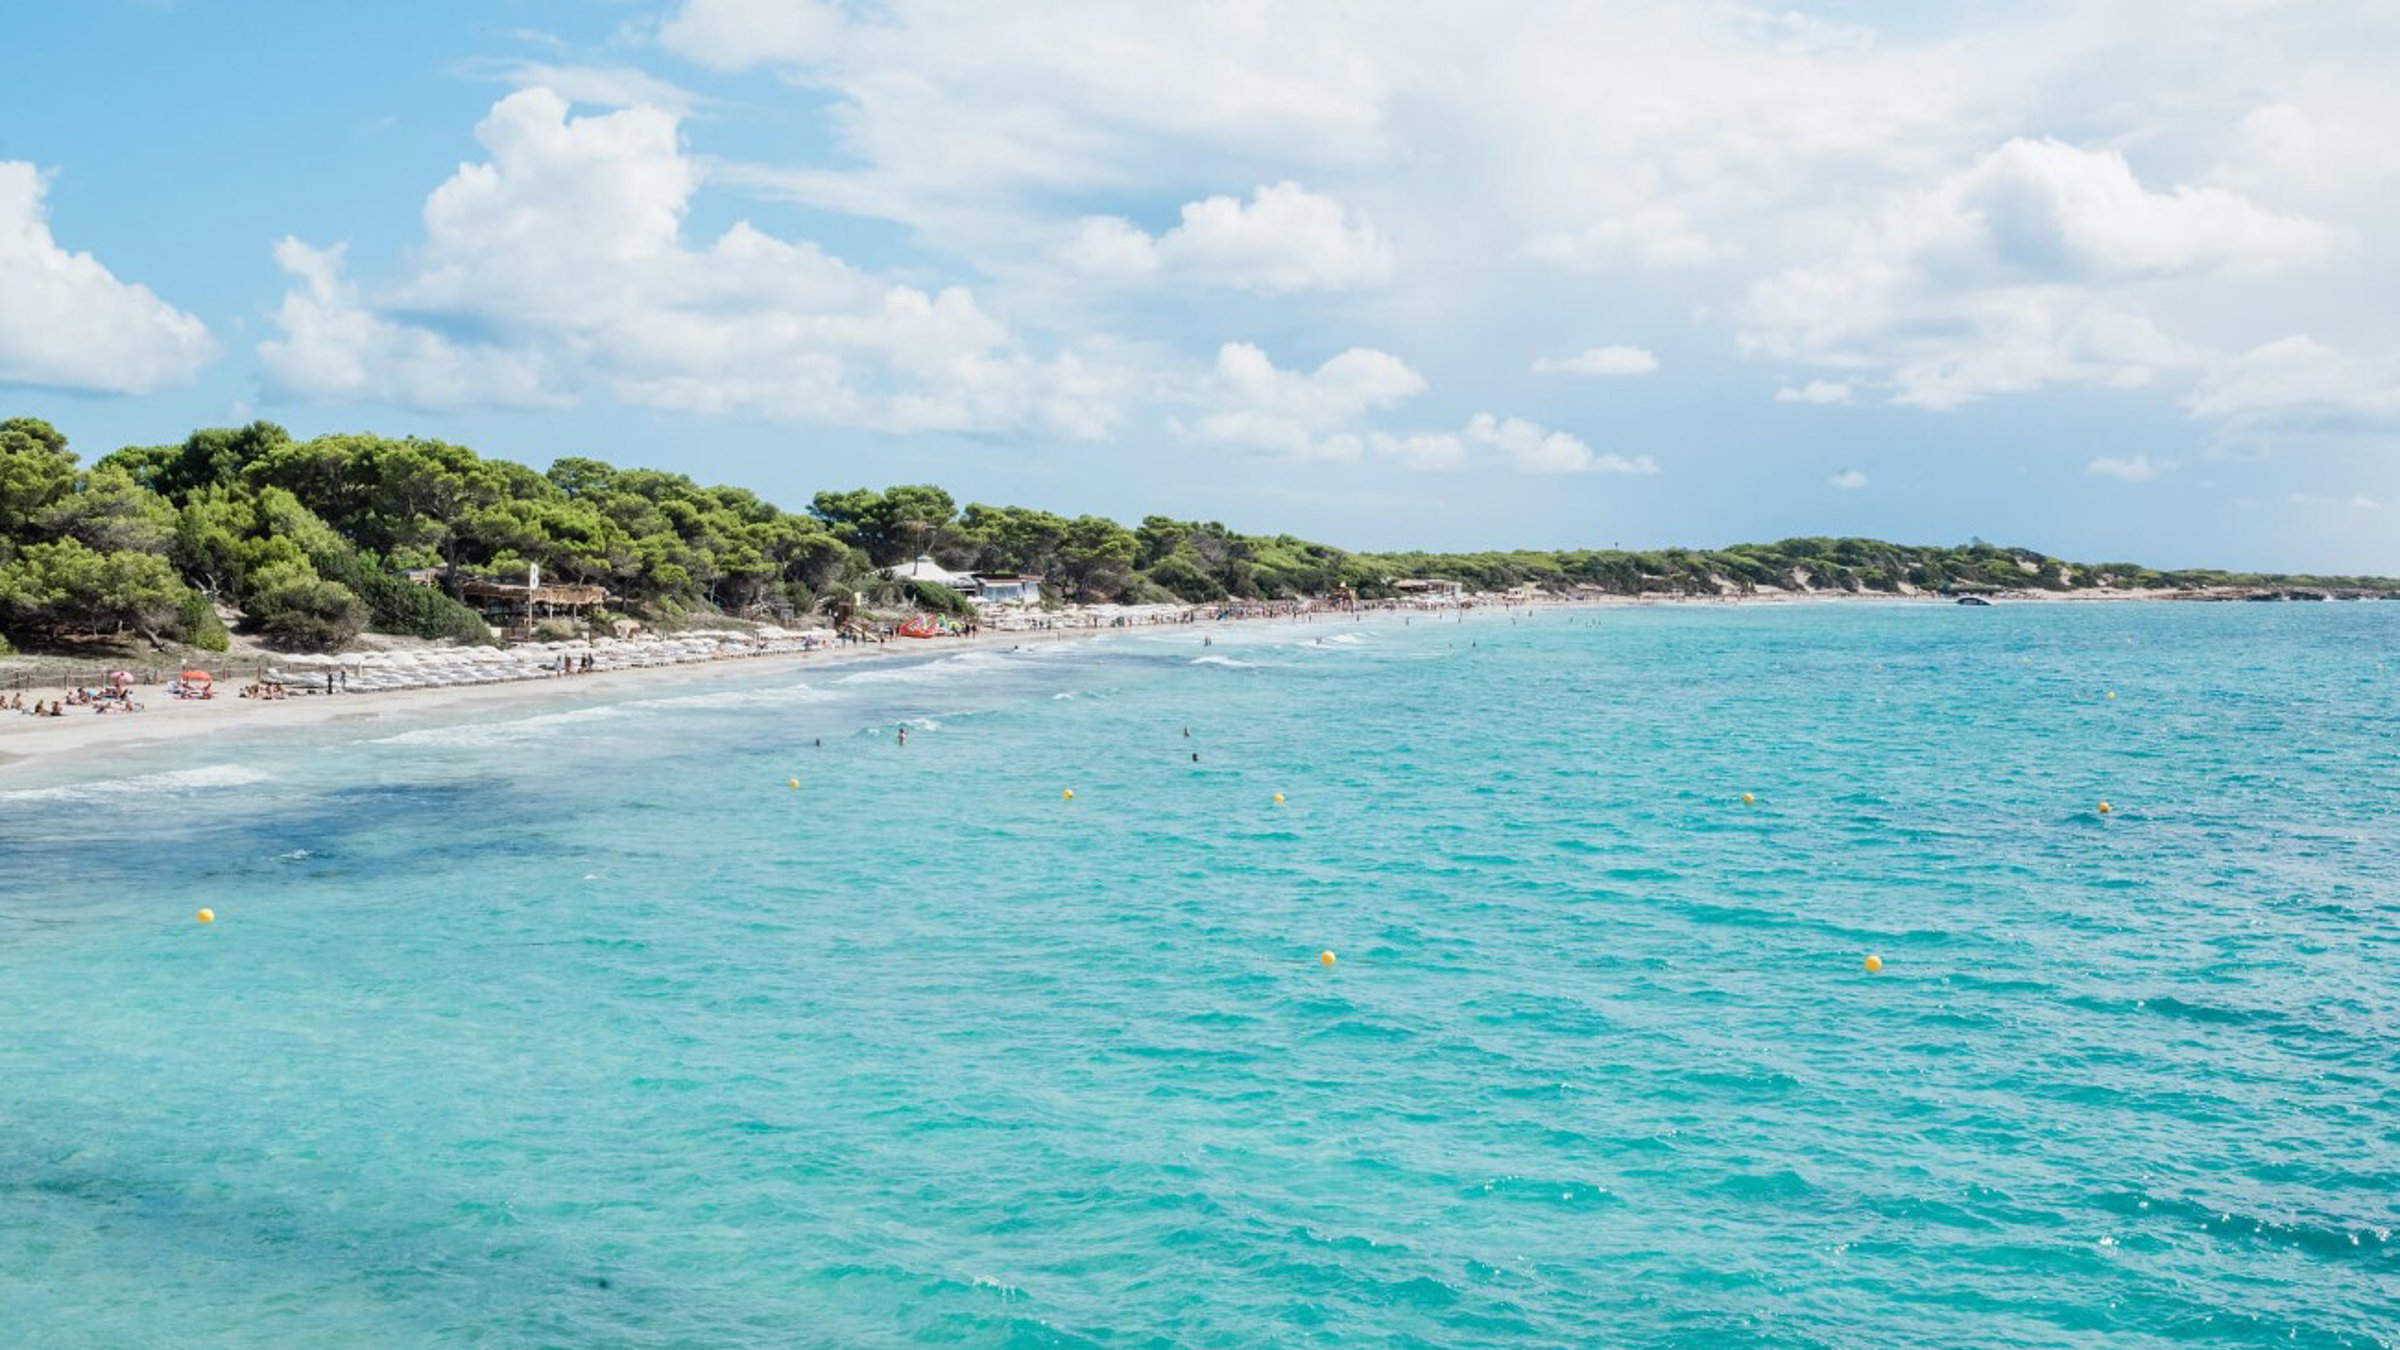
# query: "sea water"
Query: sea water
{"points": [[574, 1025]]}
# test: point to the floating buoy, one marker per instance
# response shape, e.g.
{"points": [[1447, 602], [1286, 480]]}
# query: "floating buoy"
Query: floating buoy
{"points": [[1279, 799], [206, 916], [2104, 808], [2112, 693], [1874, 964], [794, 783], [1067, 796], [1748, 800], [1324, 958]]}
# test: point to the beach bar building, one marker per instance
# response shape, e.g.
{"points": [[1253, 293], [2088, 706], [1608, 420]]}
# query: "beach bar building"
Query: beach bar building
{"points": [[984, 589], [1007, 589], [515, 608]]}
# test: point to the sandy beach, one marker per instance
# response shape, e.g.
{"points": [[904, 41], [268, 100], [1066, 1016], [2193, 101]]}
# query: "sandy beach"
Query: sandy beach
{"points": [[28, 742], [81, 735]]}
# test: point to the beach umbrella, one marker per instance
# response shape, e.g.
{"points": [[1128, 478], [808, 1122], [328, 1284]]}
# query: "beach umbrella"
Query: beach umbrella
{"points": [[121, 676], [198, 677]]}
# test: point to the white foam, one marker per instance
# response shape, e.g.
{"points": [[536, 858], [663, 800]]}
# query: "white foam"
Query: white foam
{"points": [[473, 734], [1226, 661], [178, 780], [932, 672], [739, 698]]}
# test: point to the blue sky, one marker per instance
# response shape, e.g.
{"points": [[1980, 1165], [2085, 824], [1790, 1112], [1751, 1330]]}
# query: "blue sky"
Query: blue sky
{"points": [[2109, 281]]}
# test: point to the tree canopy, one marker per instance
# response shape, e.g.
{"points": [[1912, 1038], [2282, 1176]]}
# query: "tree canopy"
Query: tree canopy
{"points": [[306, 543]]}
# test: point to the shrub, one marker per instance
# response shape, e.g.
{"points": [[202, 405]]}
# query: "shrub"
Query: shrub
{"points": [[196, 622], [292, 607]]}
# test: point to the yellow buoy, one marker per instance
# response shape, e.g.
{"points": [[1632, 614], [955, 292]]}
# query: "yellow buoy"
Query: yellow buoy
{"points": [[1324, 958], [1874, 964], [1748, 800], [2104, 808], [206, 916], [1279, 799], [793, 783], [2112, 693], [1067, 796]]}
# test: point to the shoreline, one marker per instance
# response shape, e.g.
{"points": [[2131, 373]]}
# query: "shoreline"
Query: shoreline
{"points": [[29, 744]]}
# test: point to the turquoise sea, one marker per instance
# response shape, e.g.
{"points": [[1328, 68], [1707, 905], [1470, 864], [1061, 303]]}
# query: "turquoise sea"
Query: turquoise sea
{"points": [[573, 1025]]}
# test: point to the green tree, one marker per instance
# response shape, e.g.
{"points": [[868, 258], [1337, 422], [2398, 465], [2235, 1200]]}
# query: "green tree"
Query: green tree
{"points": [[291, 606], [36, 470], [65, 587]]}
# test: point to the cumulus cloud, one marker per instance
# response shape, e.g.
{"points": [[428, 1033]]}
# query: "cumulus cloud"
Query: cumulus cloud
{"points": [[67, 322], [2299, 377], [1306, 414], [334, 348], [1599, 361], [2130, 468], [736, 34], [1536, 449], [1848, 480], [1819, 392], [1875, 205], [1285, 238], [565, 254], [2020, 272]]}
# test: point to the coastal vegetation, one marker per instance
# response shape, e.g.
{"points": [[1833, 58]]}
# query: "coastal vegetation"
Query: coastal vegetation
{"points": [[307, 543]]}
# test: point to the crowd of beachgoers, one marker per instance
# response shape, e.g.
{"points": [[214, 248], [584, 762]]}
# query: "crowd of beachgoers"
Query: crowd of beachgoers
{"points": [[449, 667]]}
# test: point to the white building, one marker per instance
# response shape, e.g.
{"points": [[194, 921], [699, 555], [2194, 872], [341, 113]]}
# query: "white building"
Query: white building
{"points": [[1008, 589], [924, 568], [992, 589]]}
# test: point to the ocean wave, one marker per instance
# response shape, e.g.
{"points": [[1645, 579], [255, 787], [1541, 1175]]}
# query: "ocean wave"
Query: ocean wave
{"points": [[470, 735], [178, 780], [930, 672], [739, 698], [1226, 661]]}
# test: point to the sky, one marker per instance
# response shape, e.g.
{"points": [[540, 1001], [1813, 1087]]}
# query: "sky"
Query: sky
{"points": [[2116, 281]]}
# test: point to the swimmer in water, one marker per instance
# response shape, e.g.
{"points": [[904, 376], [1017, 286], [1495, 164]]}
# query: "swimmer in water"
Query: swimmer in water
{"points": [[904, 738]]}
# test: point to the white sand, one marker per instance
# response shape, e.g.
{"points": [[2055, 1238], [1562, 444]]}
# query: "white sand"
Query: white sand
{"points": [[85, 735]]}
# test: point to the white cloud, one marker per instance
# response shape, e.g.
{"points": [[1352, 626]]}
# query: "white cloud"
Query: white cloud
{"points": [[1427, 450], [1317, 416], [565, 254], [2300, 378], [1599, 361], [1878, 206], [2020, 272], [736, 34], [1819, 392], [1655, 237], [1284, 239], [2357, 502], [333, 348], [1848, 480], [1305, 414], [602, 86], [1535, 449], [67, 322], [2130, 469]]}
